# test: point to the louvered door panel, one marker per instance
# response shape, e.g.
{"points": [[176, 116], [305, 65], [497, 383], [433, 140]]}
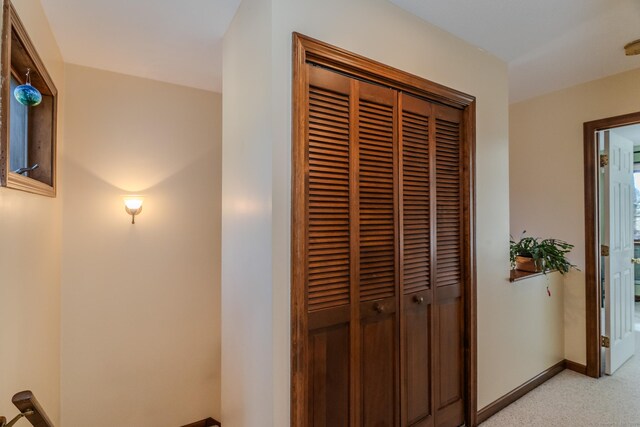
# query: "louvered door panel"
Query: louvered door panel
{"points": [[383, 257], [416, 201], [448, 339], [376, 187], [448, 184], [328, 260], [378, 249], [417, 345]]}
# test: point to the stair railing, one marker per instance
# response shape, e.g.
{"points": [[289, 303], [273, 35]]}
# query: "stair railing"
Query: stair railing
{"points": [[29, 408]]}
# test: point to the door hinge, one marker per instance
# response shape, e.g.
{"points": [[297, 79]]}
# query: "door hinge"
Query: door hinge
{"points": [[604, 341], [604, 160], [604, 250]]}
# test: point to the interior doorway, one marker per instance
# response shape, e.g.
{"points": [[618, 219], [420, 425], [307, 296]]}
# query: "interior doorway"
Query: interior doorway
{"points": [[618, 209], [610, 212]]}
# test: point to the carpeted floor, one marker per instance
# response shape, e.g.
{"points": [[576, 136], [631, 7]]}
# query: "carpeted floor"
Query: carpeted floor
{"points": [[570, 399]]}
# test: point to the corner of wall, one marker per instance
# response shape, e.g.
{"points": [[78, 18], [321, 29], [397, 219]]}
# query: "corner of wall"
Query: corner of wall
{"points": [[30, 264]]}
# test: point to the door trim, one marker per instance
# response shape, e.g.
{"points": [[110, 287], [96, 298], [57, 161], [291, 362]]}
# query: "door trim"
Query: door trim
{"points": [[306, 49], [593, 289]]}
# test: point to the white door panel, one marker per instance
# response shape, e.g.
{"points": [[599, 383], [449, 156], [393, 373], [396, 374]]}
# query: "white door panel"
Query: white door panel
{"points": [[618, 235]]}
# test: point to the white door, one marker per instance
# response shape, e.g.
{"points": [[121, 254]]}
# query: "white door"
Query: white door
{"points": [[618, 235]]}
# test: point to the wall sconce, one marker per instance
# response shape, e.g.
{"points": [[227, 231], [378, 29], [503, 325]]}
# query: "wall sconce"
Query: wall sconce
{"points": [[133, 206]]}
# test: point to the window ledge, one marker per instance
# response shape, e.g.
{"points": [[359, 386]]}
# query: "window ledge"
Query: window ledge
{"points": [[19, 182], [517, 275]]}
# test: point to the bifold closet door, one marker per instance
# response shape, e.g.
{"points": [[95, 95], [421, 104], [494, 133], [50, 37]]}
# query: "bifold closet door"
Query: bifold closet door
{"points": [[383, 275], [431, 259], [329, 250], [352, 252], [416, 274], [377, 279], [449, 326]]}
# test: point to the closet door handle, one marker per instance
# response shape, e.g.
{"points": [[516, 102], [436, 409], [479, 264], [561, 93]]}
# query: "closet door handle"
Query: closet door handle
{"points": [[418, 299], [378, 307]]}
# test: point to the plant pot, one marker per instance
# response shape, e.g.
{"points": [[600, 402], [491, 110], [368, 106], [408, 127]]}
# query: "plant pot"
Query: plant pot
{"points": [[527, 264]]}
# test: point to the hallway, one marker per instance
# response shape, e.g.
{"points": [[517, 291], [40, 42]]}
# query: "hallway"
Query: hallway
{"points": [[570, 399]]}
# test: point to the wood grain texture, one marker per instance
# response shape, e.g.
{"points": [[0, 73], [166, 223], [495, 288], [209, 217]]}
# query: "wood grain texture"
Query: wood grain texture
{"points": [[377, 247], [593, 288], [328, 248], [377, 206], [355, 396], [418, 398], [417, 330], [26, 401], [469, 263], [366, 69], [368, 203], [449, 312], [299, 331], [41, 141], [19, 54], [5, 92], [207, 422], [378, 367], [517, 275], [448, 196], [416, 219], [329, 376], [576, 367]]}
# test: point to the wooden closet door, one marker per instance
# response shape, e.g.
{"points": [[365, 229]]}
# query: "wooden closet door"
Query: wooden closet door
{"points": [[431, 258], [383, 267], [383, 264], [328, 249], [377, 253], [448, 298], [416, 163]]}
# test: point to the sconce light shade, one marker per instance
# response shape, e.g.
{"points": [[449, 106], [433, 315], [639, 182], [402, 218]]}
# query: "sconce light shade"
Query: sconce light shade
{"points": [[133, 206]]}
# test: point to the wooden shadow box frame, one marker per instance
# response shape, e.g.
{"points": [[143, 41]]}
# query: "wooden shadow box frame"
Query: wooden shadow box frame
{"points": [[17, 54]]}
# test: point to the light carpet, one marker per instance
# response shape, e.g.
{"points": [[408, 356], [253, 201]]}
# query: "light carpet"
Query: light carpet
{"points": [[570, 399]]}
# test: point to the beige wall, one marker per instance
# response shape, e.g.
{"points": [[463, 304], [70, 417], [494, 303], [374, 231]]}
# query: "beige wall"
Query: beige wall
{"points": [[547, 170], [260, 212], [429, 52], [140, 303], [247, 330], [30, 229]]}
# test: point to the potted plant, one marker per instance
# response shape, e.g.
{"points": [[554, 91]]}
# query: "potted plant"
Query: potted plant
{"points": [[534, 254]]}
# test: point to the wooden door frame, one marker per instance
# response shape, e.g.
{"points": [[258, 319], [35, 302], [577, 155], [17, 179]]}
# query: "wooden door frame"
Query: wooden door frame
{"points": [[593, 289], [306, 49]]}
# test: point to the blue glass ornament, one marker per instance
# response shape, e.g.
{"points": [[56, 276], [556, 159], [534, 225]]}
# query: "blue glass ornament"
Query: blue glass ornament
{"points": [[27, 94]]}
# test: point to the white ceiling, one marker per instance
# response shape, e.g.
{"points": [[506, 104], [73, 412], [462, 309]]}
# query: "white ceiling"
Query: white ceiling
{"points": [[548, 44], [173, 41]]}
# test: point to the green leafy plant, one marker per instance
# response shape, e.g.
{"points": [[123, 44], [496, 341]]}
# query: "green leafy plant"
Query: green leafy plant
{"points": [[549, 254]]}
